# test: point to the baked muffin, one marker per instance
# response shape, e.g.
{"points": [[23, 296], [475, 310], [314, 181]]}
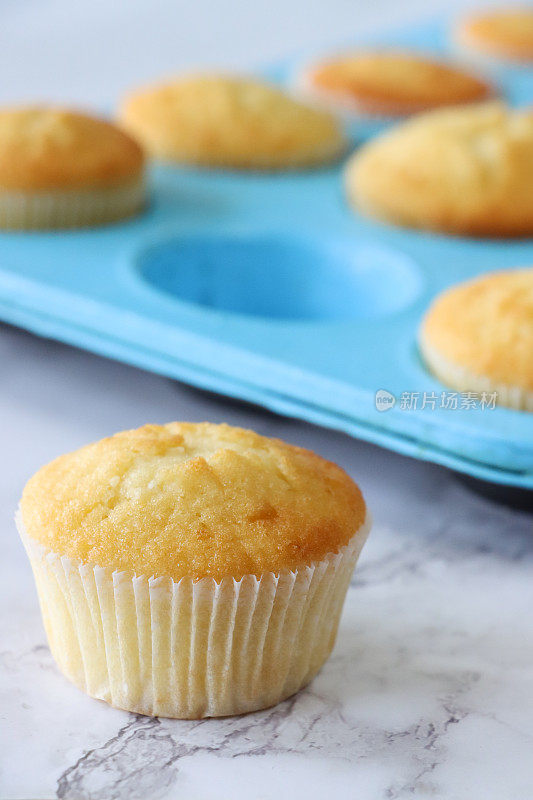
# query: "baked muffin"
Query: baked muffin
{"points": [[191, 570], [63, 169], [505, 33], [478, 336], [390, 84], [462, 170], [211, 120]]}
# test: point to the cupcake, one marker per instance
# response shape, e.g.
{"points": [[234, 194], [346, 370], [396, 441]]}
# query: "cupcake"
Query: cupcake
{"points": [[191, 570], [505, 33], [63, 169], [478, 336], [462, 170], [390, 84], [232, 122]]}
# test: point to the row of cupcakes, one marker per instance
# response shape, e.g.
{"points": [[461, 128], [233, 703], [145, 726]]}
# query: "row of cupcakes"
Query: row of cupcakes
{"points": [[462, 170], [63, 169], [385, 83]]}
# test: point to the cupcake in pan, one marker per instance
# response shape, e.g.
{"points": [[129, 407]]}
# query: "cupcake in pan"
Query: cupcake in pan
{"points": [[190, 570], [504, 34], [63, 169], [389, 84], [463, 170], [233, 122], [478, 336]]}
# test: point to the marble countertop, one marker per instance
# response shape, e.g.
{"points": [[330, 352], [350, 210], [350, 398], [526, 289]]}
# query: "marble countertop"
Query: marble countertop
{"points": [[428, 693]]}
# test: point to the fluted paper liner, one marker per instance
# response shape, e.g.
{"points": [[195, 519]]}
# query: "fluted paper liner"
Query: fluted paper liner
{"points": [[70, 208], [463, 380], [190, 648]]}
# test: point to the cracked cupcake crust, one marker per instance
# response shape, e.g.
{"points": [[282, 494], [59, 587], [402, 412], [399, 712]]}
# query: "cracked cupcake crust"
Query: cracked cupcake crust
{"points": [[200, 500]]}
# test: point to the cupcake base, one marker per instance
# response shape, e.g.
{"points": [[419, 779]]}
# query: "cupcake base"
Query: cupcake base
{"points": [[70, 208], [463, 380], [190, 649], [255, 163]]}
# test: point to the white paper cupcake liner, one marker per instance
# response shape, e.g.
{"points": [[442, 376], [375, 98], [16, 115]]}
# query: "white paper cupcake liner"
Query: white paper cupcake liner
{"points": [[72, 208], [302, 160], [463, 380], [190, 649]]}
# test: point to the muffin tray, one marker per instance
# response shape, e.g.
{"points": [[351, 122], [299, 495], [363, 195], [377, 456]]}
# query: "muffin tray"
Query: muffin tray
{"points": [[268, 288]]}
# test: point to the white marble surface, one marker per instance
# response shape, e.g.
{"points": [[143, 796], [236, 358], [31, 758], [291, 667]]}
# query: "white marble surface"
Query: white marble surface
{"points": [[429, 692]]}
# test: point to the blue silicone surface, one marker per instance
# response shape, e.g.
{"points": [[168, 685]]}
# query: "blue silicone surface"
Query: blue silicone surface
{"points": [[268, 288]]}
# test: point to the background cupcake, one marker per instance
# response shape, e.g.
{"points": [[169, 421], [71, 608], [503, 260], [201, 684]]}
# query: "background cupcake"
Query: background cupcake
{"points": [[461, 170], [389, 84], [191, 570], [64, 169], [478, 336], [505, 33], [212, 120]]}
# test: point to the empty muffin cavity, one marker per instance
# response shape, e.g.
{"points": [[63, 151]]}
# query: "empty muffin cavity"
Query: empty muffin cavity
{"points": [[282, 277]]}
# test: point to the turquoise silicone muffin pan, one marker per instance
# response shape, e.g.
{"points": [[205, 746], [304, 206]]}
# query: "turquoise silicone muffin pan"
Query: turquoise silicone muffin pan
{"points": [[268, 288]]}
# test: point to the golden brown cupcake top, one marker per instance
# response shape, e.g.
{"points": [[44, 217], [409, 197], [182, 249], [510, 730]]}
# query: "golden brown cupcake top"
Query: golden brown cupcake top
{"points": [[230, 122], [396, 82], [45, 148], [505, 32], [464, 170], [486, 326], [192, 499]]}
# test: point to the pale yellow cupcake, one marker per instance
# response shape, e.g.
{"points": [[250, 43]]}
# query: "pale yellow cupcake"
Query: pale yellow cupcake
{"points": [[478, 336], [464, 170], [191, 570], [505, 33], [63, 169], [233, 122], [390, 83]]}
